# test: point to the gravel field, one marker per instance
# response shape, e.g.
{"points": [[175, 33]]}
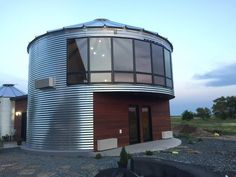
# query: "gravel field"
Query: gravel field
{"points": [[218, 156]]}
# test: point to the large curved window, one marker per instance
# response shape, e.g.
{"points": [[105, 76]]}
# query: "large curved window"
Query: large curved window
{"points": [[118, 60], [123, 54], [77, 63], [167, 63], [123, 77], [168, 68], [100, 77], [100, 54], [158, 60], [142, 56]]}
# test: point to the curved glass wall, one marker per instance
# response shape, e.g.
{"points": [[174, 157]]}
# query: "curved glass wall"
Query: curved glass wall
{"points": [[118, 60]]}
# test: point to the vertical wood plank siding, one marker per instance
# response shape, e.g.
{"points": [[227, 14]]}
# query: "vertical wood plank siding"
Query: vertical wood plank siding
{"points": [[111, 114]]}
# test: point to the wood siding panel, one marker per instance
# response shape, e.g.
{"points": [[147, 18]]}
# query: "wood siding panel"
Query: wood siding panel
{"points": [[111, 115], [20, 106]]}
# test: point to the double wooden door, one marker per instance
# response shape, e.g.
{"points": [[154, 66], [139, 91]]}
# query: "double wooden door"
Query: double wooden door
{"points": [[140, 123]]}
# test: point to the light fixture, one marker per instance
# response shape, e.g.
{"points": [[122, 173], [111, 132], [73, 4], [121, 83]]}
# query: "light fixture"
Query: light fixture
{"points": [[18, 113], [99, 40], [103, 55], [91, 48], [94, 53], [105, 80]]}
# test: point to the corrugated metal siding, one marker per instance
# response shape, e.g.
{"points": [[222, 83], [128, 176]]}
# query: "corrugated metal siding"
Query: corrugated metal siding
{"points": [[7, 111], [61, 118]]}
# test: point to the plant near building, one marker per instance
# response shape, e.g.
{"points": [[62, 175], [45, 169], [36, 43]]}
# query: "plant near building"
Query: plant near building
{"points": [[149, 153], [187, 115], [123, 162], [129, 156], [1, 142], [98, 156], [19, 141]]}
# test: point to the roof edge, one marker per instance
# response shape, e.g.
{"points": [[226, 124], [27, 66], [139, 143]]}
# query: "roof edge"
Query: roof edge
{"points": [[101, 21]]}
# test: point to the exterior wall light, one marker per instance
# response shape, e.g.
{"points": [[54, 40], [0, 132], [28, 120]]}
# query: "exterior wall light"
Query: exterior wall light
{"points": [[18, 113]]}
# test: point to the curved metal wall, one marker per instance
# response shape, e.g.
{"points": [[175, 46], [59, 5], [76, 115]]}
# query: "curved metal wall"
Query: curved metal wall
{"points": [[61, 118]]}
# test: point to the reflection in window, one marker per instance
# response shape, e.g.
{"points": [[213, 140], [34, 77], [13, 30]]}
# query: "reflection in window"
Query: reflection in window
{"points": [[124, 77], [123, 54], [77, 63], [100, 54], [100, 77], [167, 63], [126, 54], [169, 83], [144, 78], [158, 59], [142, 56], [159, 80], [77, 78]]}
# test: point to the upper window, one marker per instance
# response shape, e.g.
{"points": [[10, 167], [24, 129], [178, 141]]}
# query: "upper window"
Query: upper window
{"points": [[77, 64], [142, 56], [167, 63], [100, 54], [158, 60], [123, 54], [118, 60]]}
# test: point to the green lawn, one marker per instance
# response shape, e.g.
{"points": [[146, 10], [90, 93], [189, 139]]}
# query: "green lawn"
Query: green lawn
{"points": [[226, 127]]}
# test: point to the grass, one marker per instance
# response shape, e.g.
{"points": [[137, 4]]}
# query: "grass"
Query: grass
{"points": [[225, 127]]}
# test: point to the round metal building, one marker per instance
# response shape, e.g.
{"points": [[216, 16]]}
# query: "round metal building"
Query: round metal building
{"points": [[98, 85]]}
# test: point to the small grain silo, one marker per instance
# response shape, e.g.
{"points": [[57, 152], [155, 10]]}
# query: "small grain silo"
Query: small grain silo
{"points": [[7, 108]]}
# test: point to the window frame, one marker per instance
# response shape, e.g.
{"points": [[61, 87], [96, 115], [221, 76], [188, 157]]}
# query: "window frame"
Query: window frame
{"points": [[67, 63], [113, 72]]}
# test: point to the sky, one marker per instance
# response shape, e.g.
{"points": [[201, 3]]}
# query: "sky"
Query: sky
{"points": [[203, 34]]}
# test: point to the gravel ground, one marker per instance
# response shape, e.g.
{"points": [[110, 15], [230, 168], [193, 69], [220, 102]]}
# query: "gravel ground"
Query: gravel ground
{"points": [[215, 155], [18, 163], [218, 156]]}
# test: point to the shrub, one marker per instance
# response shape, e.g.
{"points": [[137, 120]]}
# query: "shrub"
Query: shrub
{"points": [[187, 115], [98, 156], [19, 142], [204, 113], [199, 140], [1, 142], [123, 162], [149, 153], [191, 141], [129, 156]]}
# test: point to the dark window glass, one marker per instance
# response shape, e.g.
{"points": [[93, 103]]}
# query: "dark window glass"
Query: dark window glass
{"points": [[144, 78], [134, 136], [167, 63], [169, 83], [100, 77], [100, 54], [142, 56], [77, 61], [159, 80], [77, 78], [123, 77], [158, 59], [123, 54], [146, 123]]}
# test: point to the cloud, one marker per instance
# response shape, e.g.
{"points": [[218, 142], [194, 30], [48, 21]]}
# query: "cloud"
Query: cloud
{"points": [[222, 76]]}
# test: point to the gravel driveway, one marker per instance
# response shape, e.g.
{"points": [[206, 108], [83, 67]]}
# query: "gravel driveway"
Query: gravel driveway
{"points": [[218, 156], [215, 155]]}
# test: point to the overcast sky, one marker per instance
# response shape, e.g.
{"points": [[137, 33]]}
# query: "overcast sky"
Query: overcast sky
{"points": [[203, 34]]}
